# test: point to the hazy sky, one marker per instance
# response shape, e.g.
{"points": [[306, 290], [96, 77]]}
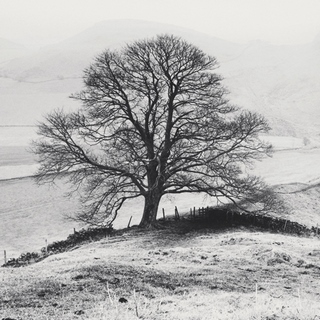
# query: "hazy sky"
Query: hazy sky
{"points": [[275, 21]]}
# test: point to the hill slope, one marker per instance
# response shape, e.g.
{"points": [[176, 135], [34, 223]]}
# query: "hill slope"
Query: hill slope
{"points": [[281, 82], [174, 273], [10, 50]]}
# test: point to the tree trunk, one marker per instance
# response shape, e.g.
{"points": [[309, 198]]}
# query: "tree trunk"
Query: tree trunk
{"points": [[151, 204]]}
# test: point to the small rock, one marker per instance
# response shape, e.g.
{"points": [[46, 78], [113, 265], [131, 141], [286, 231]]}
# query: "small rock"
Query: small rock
{"points": [[123, 300]]}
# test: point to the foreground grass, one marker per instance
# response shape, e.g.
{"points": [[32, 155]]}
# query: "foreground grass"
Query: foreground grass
{"points": [[175, 273]]}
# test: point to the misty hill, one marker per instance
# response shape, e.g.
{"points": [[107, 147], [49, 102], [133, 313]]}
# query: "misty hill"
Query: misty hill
{"points": [[281, 82], [10, 50], [68, 58]]}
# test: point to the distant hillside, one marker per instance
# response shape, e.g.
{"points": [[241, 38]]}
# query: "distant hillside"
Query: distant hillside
{"points": [[7, 45], [68, 58], [281, 82], [10, 50]]}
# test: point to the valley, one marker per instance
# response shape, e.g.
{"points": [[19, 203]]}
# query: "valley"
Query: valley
{"points": [[179, 271], [31, 214]]}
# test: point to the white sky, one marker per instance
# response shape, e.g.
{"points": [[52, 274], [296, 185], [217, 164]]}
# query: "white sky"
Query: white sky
{"points": [[275, 21]]}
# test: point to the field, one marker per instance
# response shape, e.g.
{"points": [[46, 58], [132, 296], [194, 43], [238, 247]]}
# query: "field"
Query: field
{"points": [[184, 270], [31, 214], [174, 273]]}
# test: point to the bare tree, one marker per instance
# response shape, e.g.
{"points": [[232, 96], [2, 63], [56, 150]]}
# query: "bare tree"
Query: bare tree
{"points": [[154, 121]]}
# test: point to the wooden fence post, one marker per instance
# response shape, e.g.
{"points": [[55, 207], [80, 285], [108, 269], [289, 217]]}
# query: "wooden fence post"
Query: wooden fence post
{"points": [[176, 213], [285, 225], [129, 222], [194, 212]]}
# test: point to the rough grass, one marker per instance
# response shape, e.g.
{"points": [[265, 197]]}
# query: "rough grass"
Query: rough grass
{"points": [[30, 215], [173, 273]]}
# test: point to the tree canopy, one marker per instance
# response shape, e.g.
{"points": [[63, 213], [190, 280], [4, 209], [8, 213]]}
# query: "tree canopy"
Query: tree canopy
{"points": [[154, 120]]}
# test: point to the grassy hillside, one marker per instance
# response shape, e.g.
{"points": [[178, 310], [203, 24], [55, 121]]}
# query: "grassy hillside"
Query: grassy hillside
{"points": [[30, 214], [174, 273], [178, 272]]}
